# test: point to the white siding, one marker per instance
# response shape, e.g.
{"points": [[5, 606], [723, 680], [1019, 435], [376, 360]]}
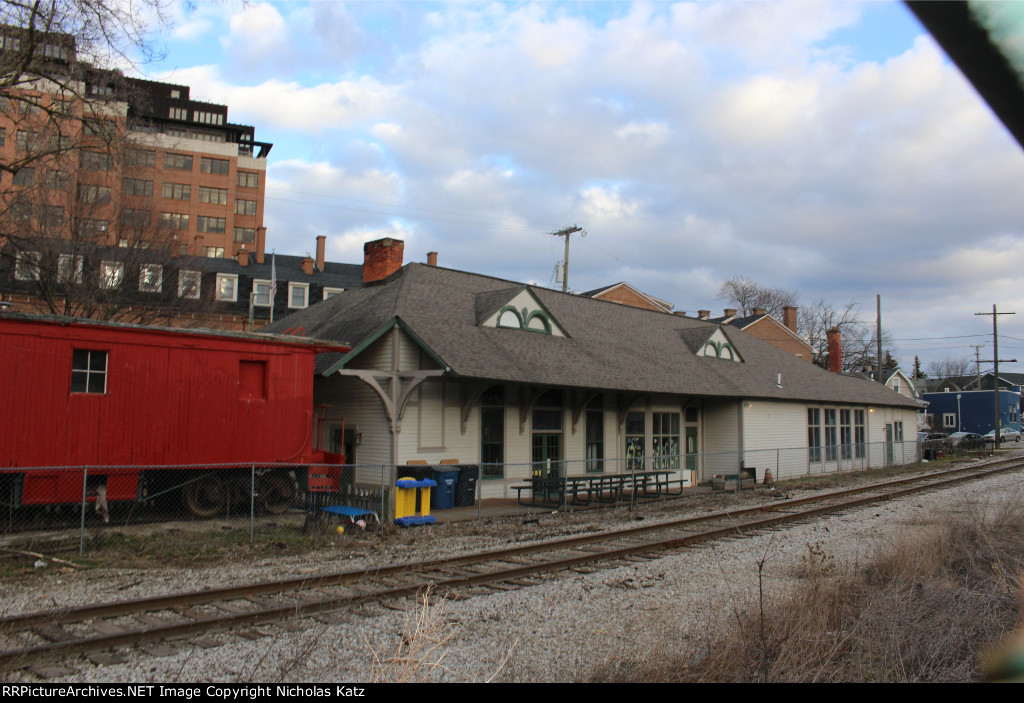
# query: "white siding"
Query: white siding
{"points": [[721, 438]]}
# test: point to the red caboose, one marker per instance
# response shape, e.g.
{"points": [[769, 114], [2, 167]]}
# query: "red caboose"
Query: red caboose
{"points": [[131, 402]]}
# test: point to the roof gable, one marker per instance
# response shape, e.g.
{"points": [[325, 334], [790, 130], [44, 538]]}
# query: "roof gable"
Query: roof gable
{"points": [[517, 309]]}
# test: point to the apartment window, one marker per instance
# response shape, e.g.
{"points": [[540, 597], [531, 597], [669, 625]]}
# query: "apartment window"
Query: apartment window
{"points": [[93, 194], [245, 235], [92, 228], [217, 166], [814, 435], [213, 252], [949, 419], [845, 434], [176, 191], [261, 293], [227, 287], [211, 224], [24, 176], [896, 384], [188, 284], [124, 243], [138, 186], [175, 94], [207, 117], [26, 265], [248, 179], [331, 292], [298, 295], [174, 220], [55, 180], [179, 162], [53, 216], [217, 196], [141, 157], [492, 432], [151, 278], [635, 438], [28, 108], [25, 140], [21, 211], [12, 43], [111, 274], [62, 107], [94, 161], [178, 113], [55, 51], [88, 371], [131, 217], [245, 207], [69, 268]]}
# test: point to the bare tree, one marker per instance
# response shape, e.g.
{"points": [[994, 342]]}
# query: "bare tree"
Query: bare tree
{"points": [[859, 345], [748, 295], [951, 367], [78, 236]]}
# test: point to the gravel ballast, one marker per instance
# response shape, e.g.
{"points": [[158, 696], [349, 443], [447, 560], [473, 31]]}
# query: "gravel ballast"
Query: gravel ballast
{"points": [[565, 628]]}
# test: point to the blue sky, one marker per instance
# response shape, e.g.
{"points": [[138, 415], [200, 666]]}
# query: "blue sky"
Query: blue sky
{"points": [[829, 148]]}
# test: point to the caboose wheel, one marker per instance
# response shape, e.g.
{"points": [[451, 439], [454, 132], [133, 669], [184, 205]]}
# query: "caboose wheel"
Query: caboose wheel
{"points": [[204, 497], [277, 492]]}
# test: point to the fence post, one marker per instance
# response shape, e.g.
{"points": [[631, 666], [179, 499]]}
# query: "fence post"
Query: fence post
{"points": [[252, 506], [81, 528], [479, 490], [778, 464], [383, 489]]}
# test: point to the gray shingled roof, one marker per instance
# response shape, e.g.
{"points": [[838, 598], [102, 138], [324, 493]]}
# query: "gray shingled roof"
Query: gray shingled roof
{"points": [[610, 347]]}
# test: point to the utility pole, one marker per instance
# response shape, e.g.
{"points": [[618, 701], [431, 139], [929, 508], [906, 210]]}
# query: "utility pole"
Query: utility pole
{"points": [[977, 361], [995, 360], [565, 232], [878, 334]]}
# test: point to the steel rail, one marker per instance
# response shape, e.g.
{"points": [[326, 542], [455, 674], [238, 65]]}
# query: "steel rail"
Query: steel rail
{"points": [[18, 657]]}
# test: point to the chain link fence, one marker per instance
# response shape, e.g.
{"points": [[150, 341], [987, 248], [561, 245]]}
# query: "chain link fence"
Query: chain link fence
{"points": [[268, 498]]}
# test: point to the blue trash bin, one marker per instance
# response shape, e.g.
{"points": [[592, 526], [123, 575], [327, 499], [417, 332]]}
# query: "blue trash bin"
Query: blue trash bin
{"points": [[443, 497]]}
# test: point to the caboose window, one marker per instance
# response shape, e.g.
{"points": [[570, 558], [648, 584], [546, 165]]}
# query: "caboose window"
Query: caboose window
{"points": [[89, 371]]}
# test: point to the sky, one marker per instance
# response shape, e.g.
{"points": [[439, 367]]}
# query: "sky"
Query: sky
{"points": [[830, 148]]}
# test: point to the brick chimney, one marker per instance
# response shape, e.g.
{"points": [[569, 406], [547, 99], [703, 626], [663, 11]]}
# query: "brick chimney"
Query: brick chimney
{"points": [[789, 317], [321, 248], [243, 257], [729, 312], [307, 266], [261, 244], [835, 350], [703, 314], [431, 258], [760, 311], [381, 258]]}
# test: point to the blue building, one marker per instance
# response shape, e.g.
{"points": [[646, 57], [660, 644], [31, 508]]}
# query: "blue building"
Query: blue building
{"points": [[972, 411]]}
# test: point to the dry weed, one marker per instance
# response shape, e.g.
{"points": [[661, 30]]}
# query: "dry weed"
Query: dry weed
{"points": [[923, 608], [421, 648]]}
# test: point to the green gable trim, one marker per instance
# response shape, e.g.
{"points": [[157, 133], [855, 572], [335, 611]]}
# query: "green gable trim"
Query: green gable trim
{"points": [[361, 347]]}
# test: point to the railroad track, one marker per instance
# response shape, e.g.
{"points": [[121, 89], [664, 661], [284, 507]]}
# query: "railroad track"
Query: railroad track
{"points": [[100, 629]]}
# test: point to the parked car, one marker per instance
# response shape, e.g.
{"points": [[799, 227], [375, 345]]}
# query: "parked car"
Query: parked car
{"points": [[1005, 435], [966, 440]]}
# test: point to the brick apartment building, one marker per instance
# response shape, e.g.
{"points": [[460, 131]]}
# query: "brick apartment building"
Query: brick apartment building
{"points": [[92, 154]]}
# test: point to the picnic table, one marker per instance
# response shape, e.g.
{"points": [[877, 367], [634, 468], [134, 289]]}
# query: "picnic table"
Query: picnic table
{"points": [[602, 488]]}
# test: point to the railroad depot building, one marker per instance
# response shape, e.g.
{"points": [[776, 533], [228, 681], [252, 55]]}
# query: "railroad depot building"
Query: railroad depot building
{"points": [[450, 365]]}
